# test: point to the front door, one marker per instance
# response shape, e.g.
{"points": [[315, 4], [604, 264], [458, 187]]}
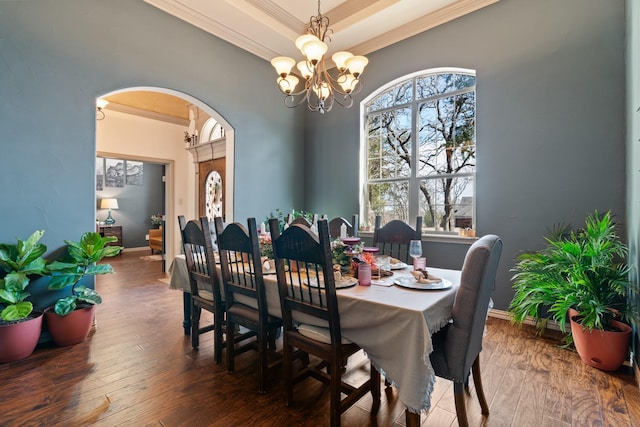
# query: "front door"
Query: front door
{"points": [[211, 180]]}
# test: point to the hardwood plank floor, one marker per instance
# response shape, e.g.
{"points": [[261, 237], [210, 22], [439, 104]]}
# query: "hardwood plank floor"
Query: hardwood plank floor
{"points": [[137, 369]]}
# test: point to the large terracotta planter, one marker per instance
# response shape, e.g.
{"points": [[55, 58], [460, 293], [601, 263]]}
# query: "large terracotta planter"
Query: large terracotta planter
{"points": [[18, 340], [604, 350], [72, 328]]}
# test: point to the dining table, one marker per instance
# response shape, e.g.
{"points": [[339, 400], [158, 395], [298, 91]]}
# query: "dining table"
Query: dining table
{"points": [[390, 320]]}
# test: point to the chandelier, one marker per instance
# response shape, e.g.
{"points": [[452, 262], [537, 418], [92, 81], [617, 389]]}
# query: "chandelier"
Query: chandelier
{"points": [[320, 89]]}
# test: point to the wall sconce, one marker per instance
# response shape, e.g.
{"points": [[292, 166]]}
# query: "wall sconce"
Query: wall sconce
{"points": [[109, 204], [100, 104]]}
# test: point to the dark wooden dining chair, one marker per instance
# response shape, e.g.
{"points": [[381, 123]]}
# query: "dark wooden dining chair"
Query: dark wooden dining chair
{"points": [[393, 238], [336, 223], [311, 322], [290, 220], [244, 291], [457, 346], [204, 282]]}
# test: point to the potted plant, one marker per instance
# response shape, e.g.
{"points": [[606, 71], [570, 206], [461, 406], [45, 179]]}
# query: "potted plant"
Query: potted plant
{"points": [[70, 319], [580, 276], [20, 326]]}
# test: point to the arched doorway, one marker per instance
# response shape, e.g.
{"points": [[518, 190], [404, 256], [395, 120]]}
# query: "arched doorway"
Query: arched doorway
{"points": [[183, 191]]}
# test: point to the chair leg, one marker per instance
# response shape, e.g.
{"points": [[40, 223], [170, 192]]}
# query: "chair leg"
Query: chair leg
{"points": [[287, 368], [477, 381], [230, 346], [375, 389], [411, 419], [195, 326], [218, 335], [461, 411], [263, 341], [334, 390]]}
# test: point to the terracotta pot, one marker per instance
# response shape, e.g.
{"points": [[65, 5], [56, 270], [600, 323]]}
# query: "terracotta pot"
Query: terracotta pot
{"points": [[72, 328], [18, 340], [604, 350]]}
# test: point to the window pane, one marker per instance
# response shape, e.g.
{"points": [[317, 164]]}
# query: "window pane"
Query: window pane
{"points": [[465, 134], [390, 141], [397, 95], [446, 203], [435, 84], [465, 81], [390, 200]]}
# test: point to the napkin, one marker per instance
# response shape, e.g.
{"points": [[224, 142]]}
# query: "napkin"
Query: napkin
{"points": [[423, 276]]}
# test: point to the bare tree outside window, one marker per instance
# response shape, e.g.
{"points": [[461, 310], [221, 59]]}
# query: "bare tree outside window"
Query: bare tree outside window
{"points": [[440, 170]]}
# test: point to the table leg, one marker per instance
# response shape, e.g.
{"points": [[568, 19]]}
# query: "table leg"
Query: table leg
{"points": [[186, 308], [411, 419]]}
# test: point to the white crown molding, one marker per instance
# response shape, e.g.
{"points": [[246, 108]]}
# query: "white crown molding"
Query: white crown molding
{"points": [[420, 25], [279, 24], [214, 27]]}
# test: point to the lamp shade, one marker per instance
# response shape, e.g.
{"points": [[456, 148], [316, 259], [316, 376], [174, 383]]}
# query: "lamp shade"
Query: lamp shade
{"points": [[283, 65], [109, 204], [101, 103]]}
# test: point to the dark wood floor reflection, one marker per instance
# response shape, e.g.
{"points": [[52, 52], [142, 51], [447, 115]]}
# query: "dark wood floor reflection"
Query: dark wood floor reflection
{"points": [[137, 368]]}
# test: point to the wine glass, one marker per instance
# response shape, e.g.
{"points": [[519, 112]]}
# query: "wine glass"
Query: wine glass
{"points": [[415, 250]]}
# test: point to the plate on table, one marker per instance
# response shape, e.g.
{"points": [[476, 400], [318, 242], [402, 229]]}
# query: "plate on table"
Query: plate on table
{"points": [[412, 283], [398, 265], [346, 282]]}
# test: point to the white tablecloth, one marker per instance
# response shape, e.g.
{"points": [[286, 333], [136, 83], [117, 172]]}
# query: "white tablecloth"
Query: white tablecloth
{"points": [[393, 325]]}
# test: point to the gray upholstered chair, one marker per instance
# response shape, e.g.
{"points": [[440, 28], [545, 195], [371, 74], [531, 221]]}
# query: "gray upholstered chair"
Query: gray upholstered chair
{"points": [[457, 346]]}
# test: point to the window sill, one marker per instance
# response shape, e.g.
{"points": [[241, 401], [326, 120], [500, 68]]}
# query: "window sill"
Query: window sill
{"points": [[434, 238]]}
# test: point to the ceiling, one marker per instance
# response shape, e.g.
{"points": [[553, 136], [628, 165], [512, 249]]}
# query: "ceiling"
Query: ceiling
{"points": [[268, 28]]}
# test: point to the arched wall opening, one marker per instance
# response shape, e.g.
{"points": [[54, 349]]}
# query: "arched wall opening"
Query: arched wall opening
{"points": [[181, 172]]}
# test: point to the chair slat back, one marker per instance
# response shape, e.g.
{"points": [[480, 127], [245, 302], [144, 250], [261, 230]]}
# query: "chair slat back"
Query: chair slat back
{"points": [[240, 262], [305, 276], [199, 257], [393, 238], [336, 223], [464, 338]]}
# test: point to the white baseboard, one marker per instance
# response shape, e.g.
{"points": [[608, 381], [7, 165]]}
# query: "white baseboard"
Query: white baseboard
{"points": [[505, 315]]}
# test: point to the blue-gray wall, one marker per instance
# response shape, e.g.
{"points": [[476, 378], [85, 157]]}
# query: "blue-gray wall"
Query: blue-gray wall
{"points": [[57, 56], [550, 120], [136, 204]]}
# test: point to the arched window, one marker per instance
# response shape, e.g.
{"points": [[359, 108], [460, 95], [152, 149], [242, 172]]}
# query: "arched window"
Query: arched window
{"points": [[419, 150], [211, 130]]}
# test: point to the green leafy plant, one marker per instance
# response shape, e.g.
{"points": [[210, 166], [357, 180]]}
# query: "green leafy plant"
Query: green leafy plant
{"points": [[582, 269], [81, 261], [282, 217], [19, 261]]}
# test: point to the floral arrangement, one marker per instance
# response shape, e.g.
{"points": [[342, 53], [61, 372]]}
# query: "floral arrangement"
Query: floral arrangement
{"points": [[341, 251], [156, 220], [282, 217], [266, 250]]}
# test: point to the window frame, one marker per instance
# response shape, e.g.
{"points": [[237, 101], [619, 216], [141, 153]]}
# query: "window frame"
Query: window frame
{"points": [[414, 178]]}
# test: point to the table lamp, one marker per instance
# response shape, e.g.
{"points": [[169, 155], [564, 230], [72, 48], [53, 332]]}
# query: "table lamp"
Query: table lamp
{"points": [[109, 204]]}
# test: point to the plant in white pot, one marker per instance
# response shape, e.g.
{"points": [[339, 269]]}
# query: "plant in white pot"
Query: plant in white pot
{"points": [[580, 276], [20, 326], [70, 319]]}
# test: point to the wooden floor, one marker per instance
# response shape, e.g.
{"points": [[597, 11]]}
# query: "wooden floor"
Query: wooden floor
{"points": [[138, 369]]}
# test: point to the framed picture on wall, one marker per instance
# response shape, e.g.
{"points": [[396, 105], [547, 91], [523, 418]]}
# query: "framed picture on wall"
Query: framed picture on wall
{"points": [[134, 173], [99, 174], [114, 173]]}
